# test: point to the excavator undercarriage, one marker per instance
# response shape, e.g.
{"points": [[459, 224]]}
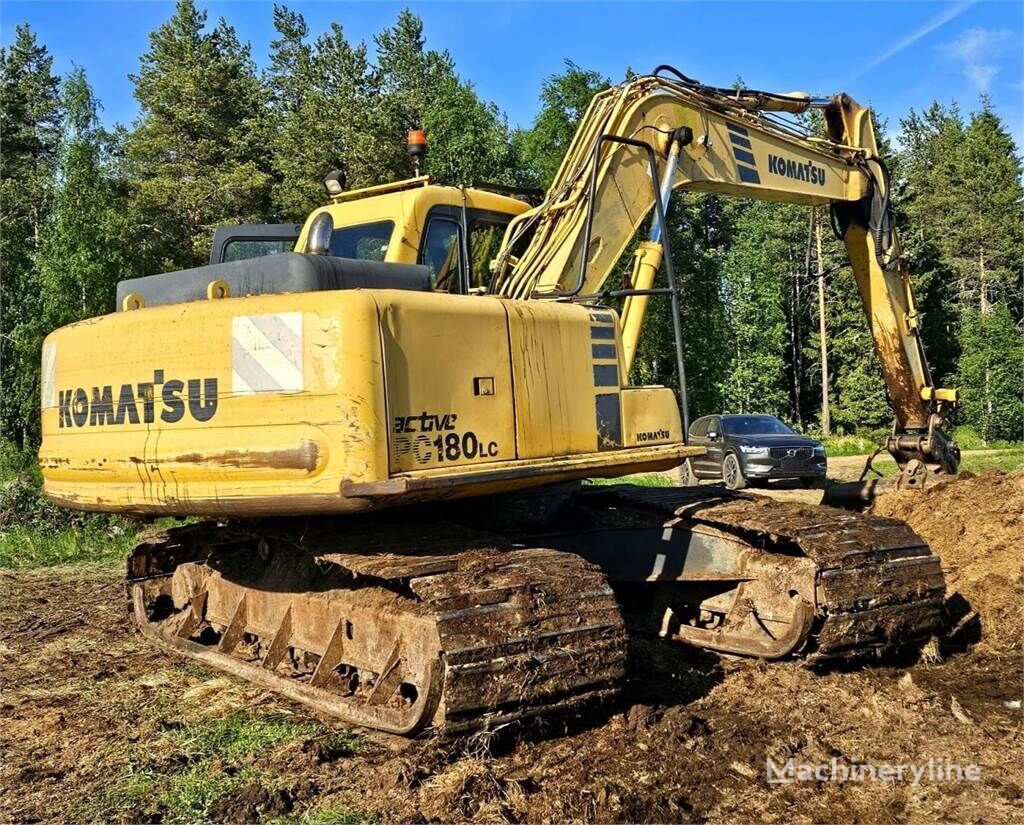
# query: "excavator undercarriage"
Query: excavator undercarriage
{"points": [[407, 622], [373, 410]]}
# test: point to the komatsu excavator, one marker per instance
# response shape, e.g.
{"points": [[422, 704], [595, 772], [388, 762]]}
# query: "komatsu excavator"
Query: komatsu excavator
{"points": [[385, 432]]}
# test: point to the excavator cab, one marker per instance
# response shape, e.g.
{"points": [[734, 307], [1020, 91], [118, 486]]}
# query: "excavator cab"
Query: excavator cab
{"points": [[452, 231]]}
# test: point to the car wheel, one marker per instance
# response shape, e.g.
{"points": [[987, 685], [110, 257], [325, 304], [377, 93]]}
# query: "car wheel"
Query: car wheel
{"points": [[686, 475], [732, 474]]}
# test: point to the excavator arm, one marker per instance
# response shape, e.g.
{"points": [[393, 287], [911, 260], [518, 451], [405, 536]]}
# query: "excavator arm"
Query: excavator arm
{"points": [[728, 142]]}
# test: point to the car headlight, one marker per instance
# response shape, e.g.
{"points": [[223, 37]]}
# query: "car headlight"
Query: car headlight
{"points": [[819, 451], [753, 450]]}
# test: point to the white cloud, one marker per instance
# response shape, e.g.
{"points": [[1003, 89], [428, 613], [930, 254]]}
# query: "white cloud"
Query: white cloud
{"points": [[943, 17], [976, 50]]}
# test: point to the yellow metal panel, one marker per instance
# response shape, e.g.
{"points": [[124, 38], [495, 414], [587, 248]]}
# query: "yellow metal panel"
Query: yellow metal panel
{"points": [[553, 367], [650, 415], [250, 405], [448, 379]]}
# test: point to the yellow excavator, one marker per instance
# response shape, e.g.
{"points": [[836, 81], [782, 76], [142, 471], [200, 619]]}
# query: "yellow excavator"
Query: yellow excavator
{"points": [[385, 432]]}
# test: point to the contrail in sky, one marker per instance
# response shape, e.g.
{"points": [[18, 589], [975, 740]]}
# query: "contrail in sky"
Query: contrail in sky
{"points": [[939, 20]]}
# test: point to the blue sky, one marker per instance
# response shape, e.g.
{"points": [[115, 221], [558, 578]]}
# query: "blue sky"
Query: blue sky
{"points": [[891, 55]]}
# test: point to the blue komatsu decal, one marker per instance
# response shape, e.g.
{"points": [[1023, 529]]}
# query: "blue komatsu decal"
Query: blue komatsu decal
{"points": [[743, 153], [796, 170], [744, 156], [739, 140], [748, 175]]}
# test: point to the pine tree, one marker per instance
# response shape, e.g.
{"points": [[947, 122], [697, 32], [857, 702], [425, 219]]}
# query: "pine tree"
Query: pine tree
{"points": [[469, 138], [992, 210], [962, 197], [30, 118], [322, 102], [350, 101], [196, 157]]}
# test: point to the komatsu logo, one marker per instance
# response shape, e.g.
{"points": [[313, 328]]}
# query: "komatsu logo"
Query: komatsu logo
{"points": [[797, 171], [138, 403]]}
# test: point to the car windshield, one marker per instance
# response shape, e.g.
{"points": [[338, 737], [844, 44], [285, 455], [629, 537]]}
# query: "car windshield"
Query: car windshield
{"points": [[754, 425]]}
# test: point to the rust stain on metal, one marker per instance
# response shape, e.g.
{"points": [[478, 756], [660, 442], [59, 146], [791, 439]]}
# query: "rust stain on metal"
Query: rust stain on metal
{"points": [[303, 457]]}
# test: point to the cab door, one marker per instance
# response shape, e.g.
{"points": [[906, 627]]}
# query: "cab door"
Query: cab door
{"points": [[457, 246]]}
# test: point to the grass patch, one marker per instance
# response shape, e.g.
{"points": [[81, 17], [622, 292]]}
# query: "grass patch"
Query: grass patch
{"points": [[337, 816], [129, 799], [1007, 460], [24, 547], [970, 439], [339, 743], [239, 735], [863, 444], [214, 759], [644, 480], [192, 793]]}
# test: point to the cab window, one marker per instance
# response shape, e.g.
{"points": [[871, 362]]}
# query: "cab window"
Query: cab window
{"points": [[368, 242], [484, 243], [245, 248], [439, 252]]}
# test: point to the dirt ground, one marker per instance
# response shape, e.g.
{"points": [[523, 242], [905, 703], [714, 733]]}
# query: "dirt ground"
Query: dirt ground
{"points": [[98, 726]]}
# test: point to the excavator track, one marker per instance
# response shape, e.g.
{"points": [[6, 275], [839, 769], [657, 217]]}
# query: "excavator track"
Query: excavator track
{"points": [[746, 574], [396, 641], [469, 618]]}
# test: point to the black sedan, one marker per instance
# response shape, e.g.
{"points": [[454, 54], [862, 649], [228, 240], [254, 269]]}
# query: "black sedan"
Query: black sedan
{"points": [[750, 449]]}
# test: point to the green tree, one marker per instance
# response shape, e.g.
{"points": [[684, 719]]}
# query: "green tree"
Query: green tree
{"points": [[30, 118], [991, 372], [323, 102], [564, 99], [992, 209], [469, 138], [195, 158], [80, 260], [762, 259]]}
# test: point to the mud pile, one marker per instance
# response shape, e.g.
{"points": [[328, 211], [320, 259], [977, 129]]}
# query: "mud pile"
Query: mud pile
{"points": [[976, 525]]}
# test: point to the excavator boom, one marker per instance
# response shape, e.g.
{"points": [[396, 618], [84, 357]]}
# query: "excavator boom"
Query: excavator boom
{"points": [[715, 140]]}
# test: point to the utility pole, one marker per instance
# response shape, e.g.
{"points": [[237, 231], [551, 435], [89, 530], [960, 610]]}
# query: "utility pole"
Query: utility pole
{"points": [[826, 424]]}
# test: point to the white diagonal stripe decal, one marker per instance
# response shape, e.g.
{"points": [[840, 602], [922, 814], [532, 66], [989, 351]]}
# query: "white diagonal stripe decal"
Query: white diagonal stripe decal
{"points": [[49, 373], [266, 353]]}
